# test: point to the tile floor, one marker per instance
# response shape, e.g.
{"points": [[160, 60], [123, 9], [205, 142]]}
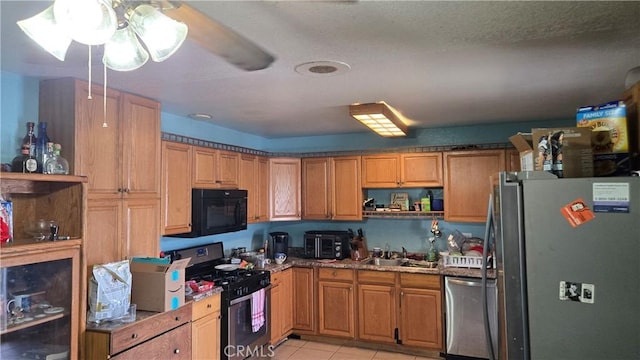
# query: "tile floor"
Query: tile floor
{"points": [[294, 349]]}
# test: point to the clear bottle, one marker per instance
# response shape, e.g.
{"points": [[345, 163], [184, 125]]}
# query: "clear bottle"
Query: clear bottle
{"points": [[56, 164], [41, 145], [24, 162], [48, 155], [30, 139]]}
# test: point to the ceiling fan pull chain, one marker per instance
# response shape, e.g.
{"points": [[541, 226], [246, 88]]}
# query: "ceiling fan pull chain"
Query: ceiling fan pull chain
{"points": [[104, 99], [89, 96]]}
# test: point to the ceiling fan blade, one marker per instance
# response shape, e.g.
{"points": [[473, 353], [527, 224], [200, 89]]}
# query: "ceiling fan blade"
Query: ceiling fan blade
{"points": [[220, 40]]}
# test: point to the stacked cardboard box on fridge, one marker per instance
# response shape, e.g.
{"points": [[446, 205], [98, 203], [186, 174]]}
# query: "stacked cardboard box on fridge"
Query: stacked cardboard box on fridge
{"points": [[614, 137], [566, 152]]}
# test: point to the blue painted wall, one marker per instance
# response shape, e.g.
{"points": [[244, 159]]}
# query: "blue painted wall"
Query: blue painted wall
{"points": [[20, 104]]}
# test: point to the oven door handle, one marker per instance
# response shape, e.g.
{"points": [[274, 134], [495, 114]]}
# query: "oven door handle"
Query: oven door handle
{"points": [[247, 297]]}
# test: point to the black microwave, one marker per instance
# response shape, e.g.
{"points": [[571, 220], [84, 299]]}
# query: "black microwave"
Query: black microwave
{"points": [[217, 211], [327, 244]]}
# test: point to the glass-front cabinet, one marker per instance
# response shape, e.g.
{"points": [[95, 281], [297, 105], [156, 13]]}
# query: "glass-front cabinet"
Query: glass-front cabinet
{"points": [[39, 297]]}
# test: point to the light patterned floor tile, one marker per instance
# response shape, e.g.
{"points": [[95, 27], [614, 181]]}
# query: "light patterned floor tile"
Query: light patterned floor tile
{"points": [[294, 342], [384, 355], [283, 352], [321, 346], [347, 356], [364, 353], [308, 354]]}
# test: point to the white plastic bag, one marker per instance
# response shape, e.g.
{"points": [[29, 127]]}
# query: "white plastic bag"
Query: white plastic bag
{"points": [[109, 291]]}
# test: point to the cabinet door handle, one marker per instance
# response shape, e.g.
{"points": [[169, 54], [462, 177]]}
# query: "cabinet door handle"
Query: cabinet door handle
{"points": [[134, 336], [208, 306], [119, 190], [176, 351], [127, 190], [177, 318]]}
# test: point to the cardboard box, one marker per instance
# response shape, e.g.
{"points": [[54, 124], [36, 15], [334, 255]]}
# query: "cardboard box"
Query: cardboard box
{"points": [[524, 144], [616, 164], [566, 152], [158, 286]]}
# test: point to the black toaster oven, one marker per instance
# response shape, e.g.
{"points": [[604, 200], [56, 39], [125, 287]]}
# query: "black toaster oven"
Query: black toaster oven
{"points": [[327, 244]]}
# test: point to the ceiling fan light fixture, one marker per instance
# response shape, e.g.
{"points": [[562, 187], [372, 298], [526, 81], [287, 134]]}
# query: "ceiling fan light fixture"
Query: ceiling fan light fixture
{"points": [[43, 29], [123, 52], [90, 22], [161, 35], [379, 117]]}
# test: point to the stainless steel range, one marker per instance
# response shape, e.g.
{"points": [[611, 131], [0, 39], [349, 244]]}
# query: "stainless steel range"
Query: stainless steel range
{"points": [[246, 298]]}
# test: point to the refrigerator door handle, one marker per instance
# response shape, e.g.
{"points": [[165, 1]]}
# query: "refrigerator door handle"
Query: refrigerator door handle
{"points": [[485, 250]]}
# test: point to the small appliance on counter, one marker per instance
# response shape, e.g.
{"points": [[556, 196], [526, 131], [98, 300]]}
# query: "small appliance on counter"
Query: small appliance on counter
{"points": [[327, 244], [278, 243]]}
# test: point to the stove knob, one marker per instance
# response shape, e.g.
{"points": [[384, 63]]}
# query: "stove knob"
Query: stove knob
{"points": [[338, 248], [338, 254]]}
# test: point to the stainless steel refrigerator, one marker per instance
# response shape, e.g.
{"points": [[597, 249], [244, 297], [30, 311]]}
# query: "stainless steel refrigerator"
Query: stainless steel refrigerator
{"points": [[568, 266]]}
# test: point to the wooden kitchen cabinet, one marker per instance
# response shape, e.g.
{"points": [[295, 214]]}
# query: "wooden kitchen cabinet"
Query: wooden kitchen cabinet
{"points": [[331, 188], [421, 311], [304, 300], [336, 311], [281, 305], [176, 188], [395, 170], [121, 161], [284, 194], [254, 177], [377, 317], [154, 335], [205, 328], [512, 157], [50, 270], [215, 169], [467, 183]]}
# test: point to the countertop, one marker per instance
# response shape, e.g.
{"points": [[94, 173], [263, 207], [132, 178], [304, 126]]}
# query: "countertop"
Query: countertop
{"points": [[350, 264]]}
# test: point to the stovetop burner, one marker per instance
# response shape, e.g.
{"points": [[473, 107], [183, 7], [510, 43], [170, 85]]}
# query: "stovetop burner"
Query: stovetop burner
{"points": [[235, 283]]}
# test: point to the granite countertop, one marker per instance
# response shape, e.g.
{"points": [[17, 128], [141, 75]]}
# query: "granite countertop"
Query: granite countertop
{"points": [[350, 264]]}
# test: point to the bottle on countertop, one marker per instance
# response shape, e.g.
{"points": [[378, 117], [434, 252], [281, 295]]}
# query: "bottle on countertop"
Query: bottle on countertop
{"points": [[56, 164], [41, 145]]}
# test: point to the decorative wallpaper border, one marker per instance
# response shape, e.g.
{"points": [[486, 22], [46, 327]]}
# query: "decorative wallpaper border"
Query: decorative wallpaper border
{"points": [[409, 149]]}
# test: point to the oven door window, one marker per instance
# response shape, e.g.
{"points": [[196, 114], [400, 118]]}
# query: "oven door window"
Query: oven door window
{"points": [[240, 324]]}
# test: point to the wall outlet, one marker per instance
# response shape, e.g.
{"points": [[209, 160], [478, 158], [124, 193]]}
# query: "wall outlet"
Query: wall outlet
{"points": [[467, 235]]}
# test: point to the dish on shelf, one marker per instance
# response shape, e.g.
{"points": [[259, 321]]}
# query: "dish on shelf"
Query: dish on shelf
{"points": [[54, 310]]}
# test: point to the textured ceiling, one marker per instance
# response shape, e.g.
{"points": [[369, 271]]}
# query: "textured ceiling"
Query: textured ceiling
{"points": [[439, 63]]}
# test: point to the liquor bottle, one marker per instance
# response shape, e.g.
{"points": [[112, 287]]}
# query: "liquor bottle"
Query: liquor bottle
{"points": [[30, 139], [24, 162], [56, 164], [48, 155], [41, 145]]}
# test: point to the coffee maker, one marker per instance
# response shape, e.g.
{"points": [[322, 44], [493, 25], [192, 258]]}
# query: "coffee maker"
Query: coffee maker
{"points": [[278, 243]]}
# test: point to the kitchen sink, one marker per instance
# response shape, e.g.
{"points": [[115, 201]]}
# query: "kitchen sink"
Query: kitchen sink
{"points": [[385, 262]]}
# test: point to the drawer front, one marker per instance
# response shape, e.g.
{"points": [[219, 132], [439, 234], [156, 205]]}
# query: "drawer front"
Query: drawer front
{"points": [[204, 307], [143, 330], [420, 281], [173, 345], [335, 274], [276, 278], [377, 277]]}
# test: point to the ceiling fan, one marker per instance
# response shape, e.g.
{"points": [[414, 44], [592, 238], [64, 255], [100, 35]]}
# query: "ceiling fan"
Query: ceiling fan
{"points": [[54, 28], [215, 37]]}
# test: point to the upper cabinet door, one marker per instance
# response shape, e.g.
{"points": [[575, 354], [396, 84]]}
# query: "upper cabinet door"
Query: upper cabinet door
{"points": [[316, 189], [176, 188], [381, 171], [228, 169], [468, 183], [421, 169], [346, 189], [204, 162], [285, 195], [140, 146]]}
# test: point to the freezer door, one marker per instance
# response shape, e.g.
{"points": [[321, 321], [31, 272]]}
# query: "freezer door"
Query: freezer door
{"points": [[583, 282]]}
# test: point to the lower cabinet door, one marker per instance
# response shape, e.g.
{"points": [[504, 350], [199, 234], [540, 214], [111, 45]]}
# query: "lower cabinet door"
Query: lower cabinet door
{"points": [[206, 337], [421, 323], [336, 316], [174, 345], [377, 313]]}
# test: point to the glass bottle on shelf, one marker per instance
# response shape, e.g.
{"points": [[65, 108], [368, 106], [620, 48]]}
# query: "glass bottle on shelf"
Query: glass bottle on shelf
{"points": [[30, 139], [49, 155], [41, 145], [56, 164], [25, 162]]}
